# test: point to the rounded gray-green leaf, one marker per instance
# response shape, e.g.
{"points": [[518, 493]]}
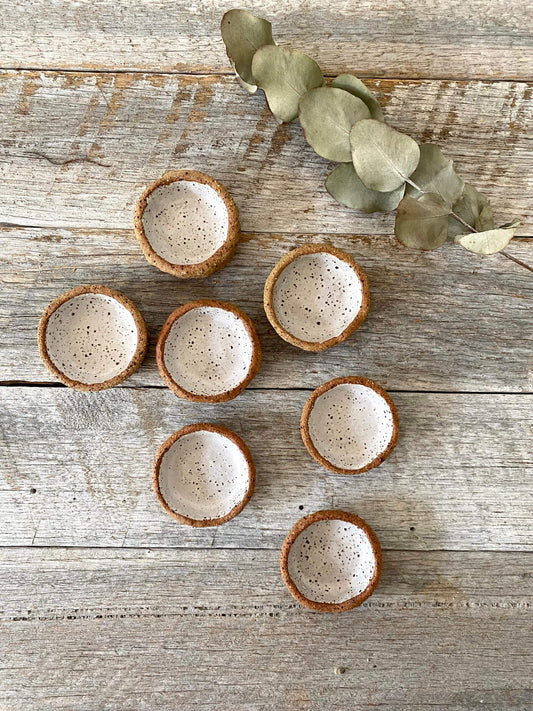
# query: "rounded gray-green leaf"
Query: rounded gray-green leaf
{"points": [[344, 185], [488, 242], [243, 34], [422, 222], [474, 208], [356, 87], [327, 116], [435, 174], [382, 157], [285, 75]]}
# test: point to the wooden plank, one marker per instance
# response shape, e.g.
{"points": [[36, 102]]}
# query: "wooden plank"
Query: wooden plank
{"points": [[77, 471], [113, 582], [217, 629], [444, 39], [445, 320], [77, 148]]}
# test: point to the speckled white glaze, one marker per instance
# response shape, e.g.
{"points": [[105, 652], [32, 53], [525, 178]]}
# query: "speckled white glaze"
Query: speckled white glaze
{"points": [[203, 475], [331, 561], [208, 351], [91, 338], [350, 425], [185, 222], [317, 296]]}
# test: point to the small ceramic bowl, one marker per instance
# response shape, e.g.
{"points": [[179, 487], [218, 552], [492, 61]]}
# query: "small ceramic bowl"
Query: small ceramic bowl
{"points": [[208, 351], [349, 425], [187, 224], [316, 296], [204, 475], [331, 561], [92, 338]]}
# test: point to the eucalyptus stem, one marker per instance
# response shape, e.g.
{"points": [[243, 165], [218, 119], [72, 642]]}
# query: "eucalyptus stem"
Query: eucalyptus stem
{"points": [[460, 219], [517, 261]]}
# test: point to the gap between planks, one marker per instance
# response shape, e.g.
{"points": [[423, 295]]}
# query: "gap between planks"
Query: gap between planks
{"points": [[153, 386], [200, 74]]}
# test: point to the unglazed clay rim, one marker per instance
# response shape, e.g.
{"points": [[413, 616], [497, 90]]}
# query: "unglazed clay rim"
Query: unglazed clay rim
{"points": [[298, 528], [255, 363], [224, 432], [217, 260], [268, 298], [138, 356], [306, 412]]}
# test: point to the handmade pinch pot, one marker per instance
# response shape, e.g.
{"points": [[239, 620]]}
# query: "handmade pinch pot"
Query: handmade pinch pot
{"points": [[316, 296], [92, 338], [349, 425], [208, 351], [203, 475], [331, 561], [187, 224]]}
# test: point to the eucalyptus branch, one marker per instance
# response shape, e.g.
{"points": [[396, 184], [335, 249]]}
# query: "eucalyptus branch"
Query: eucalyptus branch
{"points": [[380, 168], [472, 229]]}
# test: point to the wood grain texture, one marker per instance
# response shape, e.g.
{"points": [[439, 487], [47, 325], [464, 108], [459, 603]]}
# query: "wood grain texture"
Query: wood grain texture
{"points": [[445, 39], [458, 478], [143, 630], [443, 320], [78, 148], [141, 613]]}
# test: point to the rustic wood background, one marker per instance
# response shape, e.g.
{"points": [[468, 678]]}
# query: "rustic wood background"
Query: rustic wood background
{"points": [[107, 603]]}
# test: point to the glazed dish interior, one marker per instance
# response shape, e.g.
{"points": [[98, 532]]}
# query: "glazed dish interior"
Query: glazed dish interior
{"points": [[185, 222], [317, 296], [331, 561], [350, 425], [91, 338], [208, 351], [203, 476]]}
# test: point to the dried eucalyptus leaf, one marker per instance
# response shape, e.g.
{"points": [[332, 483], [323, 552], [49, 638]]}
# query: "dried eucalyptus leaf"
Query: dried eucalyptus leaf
{"points": [[327, 116], [474, 208], [435, 174], [422, 222], [344, 185], [382, 157], [285, 75], [355, 86], [488, 242], [243, 34], [250, 88]]}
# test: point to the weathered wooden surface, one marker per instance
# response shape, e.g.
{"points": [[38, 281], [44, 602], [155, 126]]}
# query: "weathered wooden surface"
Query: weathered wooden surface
{"points": [[485, 306], [141, 613], [78, 148], [458, 479], [481, 38], [142, 629]]}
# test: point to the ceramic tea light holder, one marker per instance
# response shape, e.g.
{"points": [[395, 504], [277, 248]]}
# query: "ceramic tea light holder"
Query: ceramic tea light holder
{"points": [[349, 425], [187, 224], [316, 297], [208, 351], [331, 561], [204, 475], [92, 338]]}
